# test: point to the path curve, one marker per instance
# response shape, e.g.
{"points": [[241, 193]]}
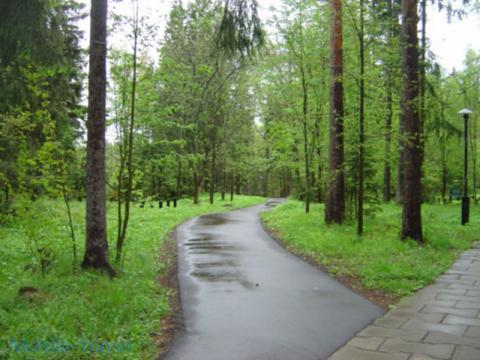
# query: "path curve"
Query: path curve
{"points": [[244, 297]]}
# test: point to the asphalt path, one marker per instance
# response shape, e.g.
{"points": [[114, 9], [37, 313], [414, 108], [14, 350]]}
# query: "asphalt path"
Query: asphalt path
{"points": [[244, 297]]}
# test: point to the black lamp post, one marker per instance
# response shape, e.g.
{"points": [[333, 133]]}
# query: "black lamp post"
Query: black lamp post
{"points": [[465, 199]]}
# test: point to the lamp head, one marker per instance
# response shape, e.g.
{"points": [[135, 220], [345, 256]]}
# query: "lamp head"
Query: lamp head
{"points": [[465, 111]]}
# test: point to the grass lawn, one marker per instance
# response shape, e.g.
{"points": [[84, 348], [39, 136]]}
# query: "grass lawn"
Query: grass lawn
{"points": [[85, 315], [379, 261]]}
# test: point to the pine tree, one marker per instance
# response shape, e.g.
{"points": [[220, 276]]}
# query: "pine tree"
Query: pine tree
{"points": [[96, 249]]}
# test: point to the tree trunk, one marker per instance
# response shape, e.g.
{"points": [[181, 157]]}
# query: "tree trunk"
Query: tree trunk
{"points": [[70, 224], [387, 172], [224, 183], [238, 184], [422, 76], [212, 167], [305, 137], [443, 162], [399, 194], [178, 185], [267, 172], [335, 201], [285, 183], [96, 249], [392, 33], [400, 175], [412, 162], [131, 125], [473, 151], [196, 190], [297, 170], [231, 185], [361, 130], [7, 198], [319, 157], [288, 184]]}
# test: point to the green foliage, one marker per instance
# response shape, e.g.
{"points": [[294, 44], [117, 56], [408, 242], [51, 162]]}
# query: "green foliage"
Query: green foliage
{"points": [[40, 85], [240, 29], [379, 259], [73, 305]]}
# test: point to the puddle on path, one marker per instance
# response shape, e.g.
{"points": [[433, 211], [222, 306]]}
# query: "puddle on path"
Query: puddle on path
{"points": [[213, 259], [213, 219], [223, 277], [272, 203]]}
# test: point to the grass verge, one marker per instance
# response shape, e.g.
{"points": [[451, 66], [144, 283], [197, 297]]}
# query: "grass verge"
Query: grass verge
{"points": [[75, 314], [378, 265]]}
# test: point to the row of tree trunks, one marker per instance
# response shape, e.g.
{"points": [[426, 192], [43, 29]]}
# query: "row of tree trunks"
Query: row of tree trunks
{"points": [[410, 124], [231, 182]]}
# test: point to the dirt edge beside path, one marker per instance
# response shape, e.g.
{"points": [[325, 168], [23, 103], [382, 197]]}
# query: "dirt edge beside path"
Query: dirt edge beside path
{"points": [[173, 323]]}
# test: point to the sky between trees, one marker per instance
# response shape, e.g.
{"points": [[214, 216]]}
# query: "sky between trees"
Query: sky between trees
{"points": [[449, 40]]}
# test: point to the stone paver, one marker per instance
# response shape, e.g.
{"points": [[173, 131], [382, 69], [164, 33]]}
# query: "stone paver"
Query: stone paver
{"points": [[467, 353], [473, 331], [442, 338], [441, 351], [457, 320], [368, 343], [421, 357], [446, 328], [467, 305], [441, 321], [354, 353]]}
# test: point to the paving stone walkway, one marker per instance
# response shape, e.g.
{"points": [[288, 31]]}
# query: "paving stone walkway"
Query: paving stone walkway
{"points": [[441, 321]]}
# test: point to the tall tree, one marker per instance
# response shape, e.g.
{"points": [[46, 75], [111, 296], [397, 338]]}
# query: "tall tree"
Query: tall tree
{"points": [[296, 42], [410, 118], [123, 223], [96, 249], [335, 201], [361, 122], [390, 59]]}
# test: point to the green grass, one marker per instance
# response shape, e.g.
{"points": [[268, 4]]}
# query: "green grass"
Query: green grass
{"points": [[79, 308], [380, 260]]}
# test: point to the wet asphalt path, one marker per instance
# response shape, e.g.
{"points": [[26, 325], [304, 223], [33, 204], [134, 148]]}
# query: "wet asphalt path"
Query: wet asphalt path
{"points": [[244, 297]]}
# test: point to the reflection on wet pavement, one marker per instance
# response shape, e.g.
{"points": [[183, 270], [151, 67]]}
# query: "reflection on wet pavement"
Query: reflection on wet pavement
{"points": [[214, 219], [216, 263], [273, 202], [225, 277], [212, 259], [212, 247]]}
